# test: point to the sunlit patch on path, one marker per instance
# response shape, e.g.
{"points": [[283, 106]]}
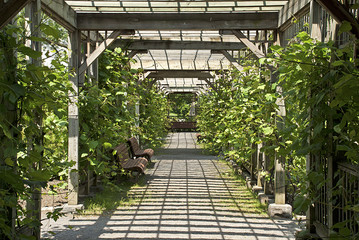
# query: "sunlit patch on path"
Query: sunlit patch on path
{"points": [[188, 195]]}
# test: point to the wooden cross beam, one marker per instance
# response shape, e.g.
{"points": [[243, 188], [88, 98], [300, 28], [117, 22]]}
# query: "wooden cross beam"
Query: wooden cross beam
{"points": [[9, 10], [180, 74], [177, 21], [61, 12], [248, 43], [176, 45], [134, 52], [100, 49], [229, 57]]}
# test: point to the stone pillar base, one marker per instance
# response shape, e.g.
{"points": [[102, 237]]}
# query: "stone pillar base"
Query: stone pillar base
{"points": [[280, 210]]}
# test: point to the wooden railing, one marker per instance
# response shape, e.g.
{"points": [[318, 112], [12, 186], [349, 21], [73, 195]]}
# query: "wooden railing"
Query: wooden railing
{"points": [[334, 212], [348, 196]]}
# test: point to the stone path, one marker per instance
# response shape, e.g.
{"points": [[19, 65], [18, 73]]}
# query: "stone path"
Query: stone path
{"points": [[189, 195]]}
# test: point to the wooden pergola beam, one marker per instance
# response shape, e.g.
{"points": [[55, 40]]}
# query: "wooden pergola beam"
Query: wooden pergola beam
{"points": [[9, 10], [248, 43], [134, 52], [176, 45], [340, 14], [176, 21], [61, 12], [100, 49], [229, 57], [180, 74]]}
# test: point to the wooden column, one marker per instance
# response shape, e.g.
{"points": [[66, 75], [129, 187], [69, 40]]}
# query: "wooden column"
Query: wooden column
{"points": [[279, 177], [73, 117], [253, 163], [92, 76], [315, 32], [266, 162], [10, 109], [279, 161], [33, 16], [95, 66], [259, 165]]}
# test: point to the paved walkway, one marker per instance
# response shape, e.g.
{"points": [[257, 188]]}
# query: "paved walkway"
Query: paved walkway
{"points": [[189, 195]]}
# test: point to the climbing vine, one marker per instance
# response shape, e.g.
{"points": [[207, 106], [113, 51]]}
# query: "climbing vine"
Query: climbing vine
{"points": [[320, 90], [34, 119]]}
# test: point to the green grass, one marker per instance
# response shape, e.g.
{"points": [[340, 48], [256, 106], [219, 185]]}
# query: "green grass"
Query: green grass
{"points": [[243, 199], [113, 196]]}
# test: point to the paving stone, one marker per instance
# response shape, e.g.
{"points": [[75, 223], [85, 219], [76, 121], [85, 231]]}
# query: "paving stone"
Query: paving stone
{"points": [[188, 196]]}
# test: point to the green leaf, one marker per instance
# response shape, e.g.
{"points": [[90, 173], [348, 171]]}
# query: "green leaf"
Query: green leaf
{"points": [[269, 96], [262, 60], [338, 63], [343, 148], [9, 162], [50, 31], [337, 128], [43, 175], [345, 27], [29, 52], [343, 80], [344, 232], [63, 123], [107, 145], [93, 144], [268, 130]]}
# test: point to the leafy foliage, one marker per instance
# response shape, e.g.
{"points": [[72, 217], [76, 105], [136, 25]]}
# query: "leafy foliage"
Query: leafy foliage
{"points": [[33, 122], [180, 105], [33, 118], [319, 86]]}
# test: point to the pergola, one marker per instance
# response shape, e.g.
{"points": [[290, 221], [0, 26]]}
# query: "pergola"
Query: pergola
{"points": [[182, 44]]}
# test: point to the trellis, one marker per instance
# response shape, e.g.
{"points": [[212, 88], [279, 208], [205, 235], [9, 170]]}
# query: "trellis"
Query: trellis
{"points": [[177, 42]]}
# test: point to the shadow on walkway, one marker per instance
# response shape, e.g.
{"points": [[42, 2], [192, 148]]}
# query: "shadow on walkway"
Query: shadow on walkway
{"points": [[188, 196]]}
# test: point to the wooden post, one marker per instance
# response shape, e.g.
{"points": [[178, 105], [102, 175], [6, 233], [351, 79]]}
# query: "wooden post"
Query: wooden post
{"points": [[279, 207], [279, 177], [33, 15], [259, 165], [95, 82], [9, 142], [73, 142], [92, 78], [266, 161], [253, 163], [315, 32]]}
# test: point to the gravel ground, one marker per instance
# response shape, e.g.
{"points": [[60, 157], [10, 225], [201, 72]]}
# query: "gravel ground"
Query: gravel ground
{"points": [[188, 195]]}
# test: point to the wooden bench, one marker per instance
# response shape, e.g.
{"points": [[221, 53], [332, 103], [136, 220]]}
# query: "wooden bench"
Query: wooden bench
{"points": [[122, 157], [183, 125], [137, 152]]}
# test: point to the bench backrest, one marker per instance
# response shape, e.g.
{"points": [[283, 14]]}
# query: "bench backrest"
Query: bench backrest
{"points": [[133, 144], [121, 154]]}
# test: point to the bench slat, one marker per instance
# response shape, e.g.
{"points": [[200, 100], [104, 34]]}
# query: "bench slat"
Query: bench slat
{"points": [[136, 151], [123, 158]]}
